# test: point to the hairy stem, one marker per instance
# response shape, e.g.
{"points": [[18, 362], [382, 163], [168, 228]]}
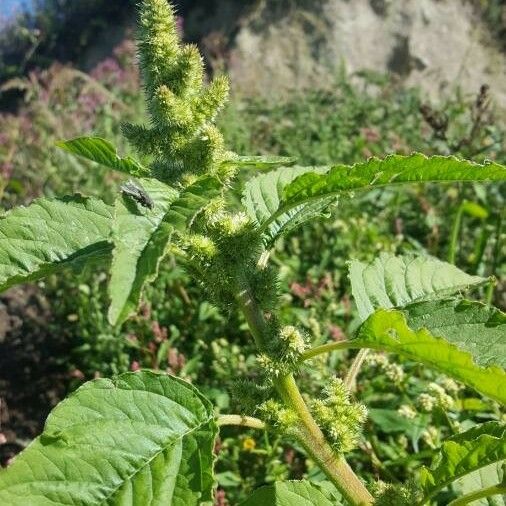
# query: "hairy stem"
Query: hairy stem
{"points": [[325, 348], [480, 494], [241, 421], [309, 434], [311, 437], [351, 378]]}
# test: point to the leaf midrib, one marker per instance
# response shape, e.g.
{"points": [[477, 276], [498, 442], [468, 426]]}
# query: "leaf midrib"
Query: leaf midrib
{"points": [[147, 463]]}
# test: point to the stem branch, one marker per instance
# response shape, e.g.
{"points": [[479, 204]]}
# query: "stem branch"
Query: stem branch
{"points": [[480, 494], [350, 382], [325, 348], [241, 421]]}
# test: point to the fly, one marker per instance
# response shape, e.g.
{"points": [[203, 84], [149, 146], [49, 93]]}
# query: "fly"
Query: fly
{"points": [[138, 193]]}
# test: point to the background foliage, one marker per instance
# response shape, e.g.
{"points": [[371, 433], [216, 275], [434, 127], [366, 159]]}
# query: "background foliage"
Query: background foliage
{"points": [[58, 332]]}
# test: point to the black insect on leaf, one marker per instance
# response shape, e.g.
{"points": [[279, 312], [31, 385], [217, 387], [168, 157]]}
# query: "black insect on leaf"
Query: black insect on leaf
{"points": [[138, 193]]}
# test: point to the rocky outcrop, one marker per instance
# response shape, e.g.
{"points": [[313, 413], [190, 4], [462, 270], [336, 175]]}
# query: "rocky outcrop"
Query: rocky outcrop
{"points": [[440, 45]]}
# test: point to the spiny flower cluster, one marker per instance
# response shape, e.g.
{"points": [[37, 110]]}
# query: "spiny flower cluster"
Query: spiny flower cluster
{"points": [[182, 137], [407, 412], [284, 353], [431, 436], [435, 396], [276, 415], [394, 372], [225, 258], [387, 494], [340, 418], [250, 394]]}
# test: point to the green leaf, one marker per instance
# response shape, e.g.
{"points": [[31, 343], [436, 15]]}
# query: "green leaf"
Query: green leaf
{"points": [[140, 439], [390, 422], [50, 234], [262, 198], [472, 326], [140, 238], [291, 493], [269, 201], [465, 340], [192, 201], [103, 152], [462, 454], [480, 479], [260, 162], [395, 281], [393, 169]]}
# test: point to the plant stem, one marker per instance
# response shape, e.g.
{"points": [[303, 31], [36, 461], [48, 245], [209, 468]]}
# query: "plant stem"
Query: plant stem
{"points": [[349, 381], [311, 437], [307, 431], [351, 377], [495, 258], [325, 348], [480, 494], [455, 234], [241, 421]]}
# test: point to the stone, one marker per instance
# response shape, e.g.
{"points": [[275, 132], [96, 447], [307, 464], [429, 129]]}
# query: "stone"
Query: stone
{"points": [[438, 45]]}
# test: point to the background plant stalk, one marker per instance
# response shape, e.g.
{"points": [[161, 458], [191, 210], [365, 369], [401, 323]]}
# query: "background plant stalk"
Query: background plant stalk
{"points": [[307, 432]]}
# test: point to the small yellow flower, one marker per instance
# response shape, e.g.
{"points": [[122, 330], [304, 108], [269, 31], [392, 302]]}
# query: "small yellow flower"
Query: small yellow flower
{"points": [[248, 444]]}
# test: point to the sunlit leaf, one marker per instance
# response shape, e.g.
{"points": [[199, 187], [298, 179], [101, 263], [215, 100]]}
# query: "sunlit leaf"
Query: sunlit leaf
{"points": [[462, 454], [270, 197], [291, 493], [140, 439], [465, 340], [50, 234], [140, 240], [103, 152], [395, 281], [262, 199]]}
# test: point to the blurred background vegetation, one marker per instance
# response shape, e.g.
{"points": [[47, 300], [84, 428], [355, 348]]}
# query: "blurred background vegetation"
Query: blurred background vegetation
{"points": [[68, 68]]}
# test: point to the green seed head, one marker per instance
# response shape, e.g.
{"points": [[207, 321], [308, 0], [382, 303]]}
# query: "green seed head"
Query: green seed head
{"points": [[181, 138]]}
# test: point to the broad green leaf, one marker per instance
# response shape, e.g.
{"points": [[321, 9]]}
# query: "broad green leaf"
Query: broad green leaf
{"points": [[103, 152], [140, 439], [297, 216], [465, 340], [260, 162], [50, 234], [262, 199], [472, 326], [462, 454], [480, 479], [393, 169], [314, 185], [140, 238], [291, 493], [192, 201], [395, 281]]}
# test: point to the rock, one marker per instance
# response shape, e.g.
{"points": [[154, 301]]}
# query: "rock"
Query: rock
{"points": [[439, 45]]}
